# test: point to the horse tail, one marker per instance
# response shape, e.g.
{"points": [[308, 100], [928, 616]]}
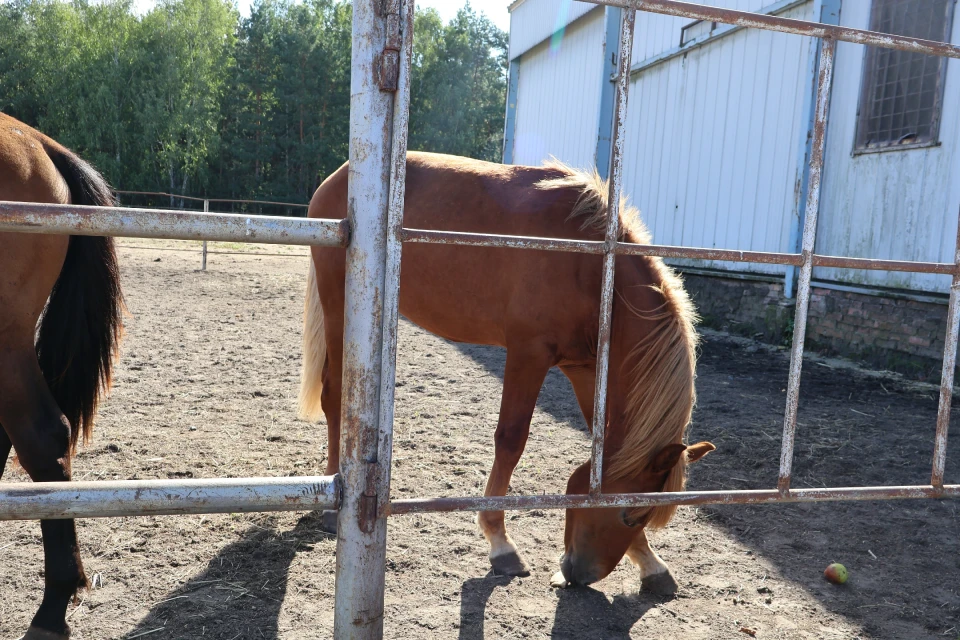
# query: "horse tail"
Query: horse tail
{"points": [[661, 366], [314, 352], [82, 323]]}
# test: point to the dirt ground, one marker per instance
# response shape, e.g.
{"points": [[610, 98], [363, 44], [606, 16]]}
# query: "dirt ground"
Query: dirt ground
{"points": [[207, 385]]}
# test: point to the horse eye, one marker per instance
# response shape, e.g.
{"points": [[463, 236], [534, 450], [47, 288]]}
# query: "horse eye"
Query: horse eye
{"points": [[627, 521]]}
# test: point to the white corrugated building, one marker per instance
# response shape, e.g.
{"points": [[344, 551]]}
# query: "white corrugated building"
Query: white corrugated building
{"points": [[717, 134]]}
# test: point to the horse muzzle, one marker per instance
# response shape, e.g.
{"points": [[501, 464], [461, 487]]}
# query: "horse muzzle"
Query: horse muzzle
{"points": [[576, 571]]}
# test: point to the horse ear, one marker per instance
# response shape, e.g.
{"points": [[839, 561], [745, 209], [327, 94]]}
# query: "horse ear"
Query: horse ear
{"points": [[697, 451], [667, 458]]}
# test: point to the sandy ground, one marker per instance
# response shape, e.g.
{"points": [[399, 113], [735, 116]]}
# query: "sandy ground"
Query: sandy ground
{"points": [[206, 387]]}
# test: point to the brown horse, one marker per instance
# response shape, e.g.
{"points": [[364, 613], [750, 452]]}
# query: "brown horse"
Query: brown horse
{"points": [[52, 375], [544, 308]]}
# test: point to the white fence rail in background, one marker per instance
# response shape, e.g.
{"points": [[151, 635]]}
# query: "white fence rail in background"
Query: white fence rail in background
{"points": [[204, 250]]}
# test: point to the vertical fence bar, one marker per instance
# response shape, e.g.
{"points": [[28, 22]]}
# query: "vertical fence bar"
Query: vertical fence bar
{"points": [[362, 527], [391, 290], [609, 257], [946, 377], [824, 84], [203, 263]]}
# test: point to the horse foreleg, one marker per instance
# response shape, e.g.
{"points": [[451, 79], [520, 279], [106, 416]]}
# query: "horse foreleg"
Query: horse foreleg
{"points": [[583, 378], [41, 437], [522, 379], [654, 572]]}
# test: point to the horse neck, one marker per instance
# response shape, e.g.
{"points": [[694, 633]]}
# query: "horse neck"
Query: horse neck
{"points": [[650, 394]]}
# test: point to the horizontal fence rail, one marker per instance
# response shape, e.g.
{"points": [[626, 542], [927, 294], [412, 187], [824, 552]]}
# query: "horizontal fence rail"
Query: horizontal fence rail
{"points": [[786, 25], [426, 236], [115, 498], [22, 217], [609, 500], [162, 194]]}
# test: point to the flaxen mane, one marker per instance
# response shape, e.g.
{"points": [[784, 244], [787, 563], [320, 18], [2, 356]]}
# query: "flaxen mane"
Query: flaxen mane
{"points": [[661, 365]]}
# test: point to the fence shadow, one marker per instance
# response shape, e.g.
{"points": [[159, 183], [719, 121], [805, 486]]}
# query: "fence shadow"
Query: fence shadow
{"points": [[241, 591], [855, 428], [474, 595]]}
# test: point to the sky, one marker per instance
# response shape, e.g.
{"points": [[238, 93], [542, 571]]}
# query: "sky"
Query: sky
{"points": [[496, 10]]}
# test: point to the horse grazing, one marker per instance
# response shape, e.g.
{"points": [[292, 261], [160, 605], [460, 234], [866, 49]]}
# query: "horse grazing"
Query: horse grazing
{"points": [[544, 308], [53, 375]]}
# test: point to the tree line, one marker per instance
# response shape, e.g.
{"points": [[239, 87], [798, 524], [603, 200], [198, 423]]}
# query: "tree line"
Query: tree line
{"points": [[191, 98]]}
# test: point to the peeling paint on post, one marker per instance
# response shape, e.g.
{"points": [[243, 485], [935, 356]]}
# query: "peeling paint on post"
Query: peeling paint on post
{"points": [[824, 84], [610, 256], [361, 523], [946, 376], [112, 499]]}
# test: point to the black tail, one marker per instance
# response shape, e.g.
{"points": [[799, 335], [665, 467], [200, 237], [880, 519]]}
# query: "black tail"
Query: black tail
{"points": [[81, 326]]}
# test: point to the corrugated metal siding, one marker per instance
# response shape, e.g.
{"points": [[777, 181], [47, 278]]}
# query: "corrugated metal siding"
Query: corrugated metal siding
{"points": [[559, 96], [533, 21], [656, 33], [896, 205], [712, 143]]}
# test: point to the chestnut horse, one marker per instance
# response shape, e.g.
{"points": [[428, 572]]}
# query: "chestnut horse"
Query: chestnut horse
{"points": [[52, 375], [543, 307]]}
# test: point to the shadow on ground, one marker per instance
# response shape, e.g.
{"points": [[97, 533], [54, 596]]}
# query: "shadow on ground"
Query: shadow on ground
{"points": [[855, 429], [580, 613], [240, 593]]}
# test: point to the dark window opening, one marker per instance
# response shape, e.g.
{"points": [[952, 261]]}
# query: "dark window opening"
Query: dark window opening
{"points": [[901, 92]]}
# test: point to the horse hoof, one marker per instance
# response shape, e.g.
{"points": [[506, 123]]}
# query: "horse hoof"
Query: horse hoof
{"points": [[36, 633], [662, 584], [510, 564], [558, 581], [328, 521]]}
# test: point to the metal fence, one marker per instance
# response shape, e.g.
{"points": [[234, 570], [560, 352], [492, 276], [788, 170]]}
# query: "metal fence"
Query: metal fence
{"points": [[373, 235], [204, 249]]}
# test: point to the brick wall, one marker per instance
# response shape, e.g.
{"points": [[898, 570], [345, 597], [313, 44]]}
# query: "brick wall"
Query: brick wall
{"points": [[889, 331]]}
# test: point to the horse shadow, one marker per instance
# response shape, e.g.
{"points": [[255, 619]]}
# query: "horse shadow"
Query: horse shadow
{"points": [[855, 428], [580, 612], [241, 591]]}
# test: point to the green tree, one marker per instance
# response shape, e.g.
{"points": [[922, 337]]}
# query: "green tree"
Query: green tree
{"points": [[458, 88], [193, 99]]}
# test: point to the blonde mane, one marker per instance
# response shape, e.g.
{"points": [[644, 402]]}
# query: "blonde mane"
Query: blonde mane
{"points": [[661, 366]]}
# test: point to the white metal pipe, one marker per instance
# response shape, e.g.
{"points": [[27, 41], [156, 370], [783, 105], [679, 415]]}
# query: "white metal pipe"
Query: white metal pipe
{"points": [[78, 220], [394, 247], [110, 499], [361, 524], [824, 85]]}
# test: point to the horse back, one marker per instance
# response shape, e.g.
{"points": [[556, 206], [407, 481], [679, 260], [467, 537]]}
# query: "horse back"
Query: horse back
{"points": [[485, 295]]}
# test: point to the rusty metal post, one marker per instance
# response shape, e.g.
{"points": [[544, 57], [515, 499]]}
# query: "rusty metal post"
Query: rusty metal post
{"points": [[824, 84], [361, 522], [203, 262], [391, 290], [946, 376], [609, 255]]}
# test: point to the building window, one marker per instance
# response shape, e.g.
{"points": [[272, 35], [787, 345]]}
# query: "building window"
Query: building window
{"points": [[901, 92]]}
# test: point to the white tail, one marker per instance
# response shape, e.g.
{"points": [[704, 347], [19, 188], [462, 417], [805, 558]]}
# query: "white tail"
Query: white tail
{"points": [[314, 352]]}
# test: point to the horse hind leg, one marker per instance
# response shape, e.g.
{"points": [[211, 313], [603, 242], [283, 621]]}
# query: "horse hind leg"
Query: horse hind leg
{"points": [[330, 402], [523, 376], [41, 437], [5, 446], [654, 573]]}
